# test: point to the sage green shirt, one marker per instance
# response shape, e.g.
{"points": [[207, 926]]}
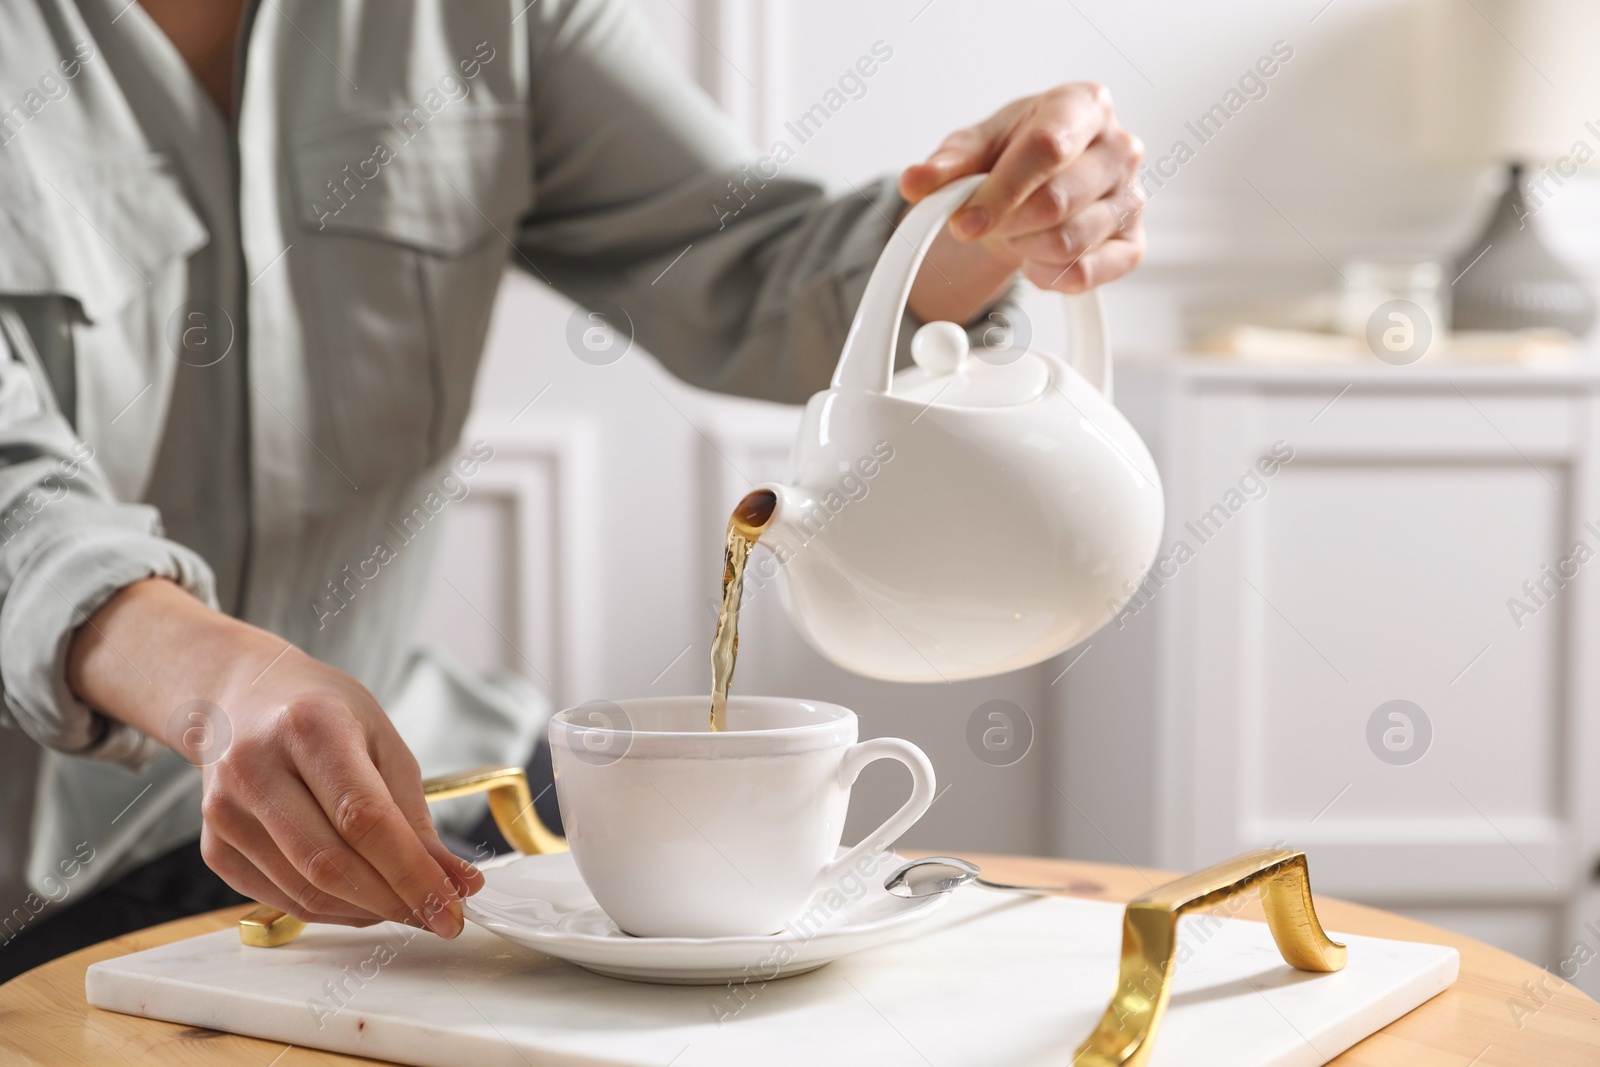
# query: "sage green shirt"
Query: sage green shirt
{"points": [[243, 361]]}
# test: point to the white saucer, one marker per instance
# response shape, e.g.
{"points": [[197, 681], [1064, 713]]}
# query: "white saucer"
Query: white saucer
{"points": [[540, 902]]}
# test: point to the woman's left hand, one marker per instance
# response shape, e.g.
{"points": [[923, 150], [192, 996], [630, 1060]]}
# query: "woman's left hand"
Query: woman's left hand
{"points": [[1061, 202]]}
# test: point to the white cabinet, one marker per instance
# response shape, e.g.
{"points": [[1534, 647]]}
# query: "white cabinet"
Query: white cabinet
{"points": [[1382, 651]]}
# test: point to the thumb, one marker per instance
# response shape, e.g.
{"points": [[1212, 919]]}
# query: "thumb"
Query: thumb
{"points": [[967, 151]]}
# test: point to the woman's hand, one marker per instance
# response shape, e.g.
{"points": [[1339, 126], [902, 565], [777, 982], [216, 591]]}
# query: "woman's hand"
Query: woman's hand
{"points": [[1060, 204], [316, 807], [312, 803]]}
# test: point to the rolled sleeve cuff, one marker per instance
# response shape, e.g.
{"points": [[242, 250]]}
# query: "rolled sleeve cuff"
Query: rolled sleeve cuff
{"points": [[67, 579]]}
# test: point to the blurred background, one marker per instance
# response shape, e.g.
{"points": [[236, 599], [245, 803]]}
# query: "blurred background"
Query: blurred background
{"points": [[1381, 654]]}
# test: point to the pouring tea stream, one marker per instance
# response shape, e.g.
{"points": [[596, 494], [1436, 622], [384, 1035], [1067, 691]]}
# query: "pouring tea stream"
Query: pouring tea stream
{"points": [[749, 519]]}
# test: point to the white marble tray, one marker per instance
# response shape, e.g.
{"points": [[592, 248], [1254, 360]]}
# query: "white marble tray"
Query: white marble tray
{"points": [[998, 981]]}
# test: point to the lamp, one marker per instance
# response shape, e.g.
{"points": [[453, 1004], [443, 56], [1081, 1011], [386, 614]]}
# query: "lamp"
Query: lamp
{"points": [[1508, 82]]}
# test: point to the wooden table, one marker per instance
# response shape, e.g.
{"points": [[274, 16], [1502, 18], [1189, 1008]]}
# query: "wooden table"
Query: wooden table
{"points": [[44, 1019]]}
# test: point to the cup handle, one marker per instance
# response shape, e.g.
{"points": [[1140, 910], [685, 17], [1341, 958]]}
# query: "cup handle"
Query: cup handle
{"points": [[856, 757]]}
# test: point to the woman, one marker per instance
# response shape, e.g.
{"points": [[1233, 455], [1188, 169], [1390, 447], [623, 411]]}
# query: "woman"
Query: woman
{"points": [[247, 258]]}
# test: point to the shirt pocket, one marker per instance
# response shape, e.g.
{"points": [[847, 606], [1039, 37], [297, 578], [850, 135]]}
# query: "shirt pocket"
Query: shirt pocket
{"points": [[407, 232], [99, 234], [113, 237]]}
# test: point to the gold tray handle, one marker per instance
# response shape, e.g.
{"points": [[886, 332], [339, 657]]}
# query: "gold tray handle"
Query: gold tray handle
{"points": [[1126, 1034], [510, 802]]}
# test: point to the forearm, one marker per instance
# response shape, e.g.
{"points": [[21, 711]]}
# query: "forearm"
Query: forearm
{"points": [[312, 802], [153, 648], [959, 281]]}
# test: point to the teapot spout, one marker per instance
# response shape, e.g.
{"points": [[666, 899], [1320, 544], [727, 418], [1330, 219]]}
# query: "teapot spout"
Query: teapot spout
{"points": [[784, 518], [756, 513]]}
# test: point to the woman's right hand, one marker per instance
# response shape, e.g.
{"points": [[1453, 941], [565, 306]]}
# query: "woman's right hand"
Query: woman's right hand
{"points": [[312, 803]]}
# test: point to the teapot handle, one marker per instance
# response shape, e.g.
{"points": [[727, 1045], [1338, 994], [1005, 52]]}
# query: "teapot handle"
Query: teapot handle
{"points": [[868, 358]]}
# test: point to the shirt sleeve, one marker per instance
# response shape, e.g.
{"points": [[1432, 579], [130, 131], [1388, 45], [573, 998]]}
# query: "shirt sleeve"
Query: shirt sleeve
{"points": [[66, 547], [735, 272]]}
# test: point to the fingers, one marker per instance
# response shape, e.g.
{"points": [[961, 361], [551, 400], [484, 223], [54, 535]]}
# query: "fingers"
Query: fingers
{"points": [[246, 853], [1099, 171], [245, 877], [340, 774], [1060, 126], [399, 770], [282, 830], [1068, 242], [1061, 197], [1106, 263]]}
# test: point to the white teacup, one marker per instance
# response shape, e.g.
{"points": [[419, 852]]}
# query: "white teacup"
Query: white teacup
{"points": [[680, 832]]}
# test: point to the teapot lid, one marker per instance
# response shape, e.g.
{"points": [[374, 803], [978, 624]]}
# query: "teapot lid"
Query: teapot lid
{"points": [[949, 373]]}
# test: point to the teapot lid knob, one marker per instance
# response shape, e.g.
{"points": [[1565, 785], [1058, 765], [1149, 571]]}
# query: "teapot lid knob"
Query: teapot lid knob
{"points": [[939, 348]]}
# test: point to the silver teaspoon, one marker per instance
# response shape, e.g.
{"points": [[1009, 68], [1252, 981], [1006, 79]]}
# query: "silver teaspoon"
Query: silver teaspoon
{"points": [[940, 874]]}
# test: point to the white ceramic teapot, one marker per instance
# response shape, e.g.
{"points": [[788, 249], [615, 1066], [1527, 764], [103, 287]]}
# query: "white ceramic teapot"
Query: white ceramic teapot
{"points": [[974, 514]]}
